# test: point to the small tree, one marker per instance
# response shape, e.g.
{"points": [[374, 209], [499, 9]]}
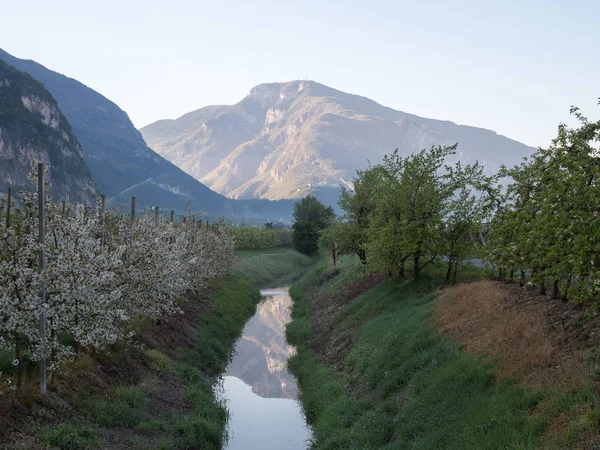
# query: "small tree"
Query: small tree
{"points": [[311, 218]]}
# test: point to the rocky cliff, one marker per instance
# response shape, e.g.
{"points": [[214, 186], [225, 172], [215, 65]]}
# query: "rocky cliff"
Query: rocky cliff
{"points": [[32, 128]]}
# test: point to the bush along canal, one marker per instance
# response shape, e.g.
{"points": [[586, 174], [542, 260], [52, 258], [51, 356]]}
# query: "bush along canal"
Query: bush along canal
{"points": [[260, 394]]}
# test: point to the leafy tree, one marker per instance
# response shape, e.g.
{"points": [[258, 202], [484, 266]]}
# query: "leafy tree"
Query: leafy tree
{"points": [[306, 237], [358, 205], [311, 218], [310, 209]]}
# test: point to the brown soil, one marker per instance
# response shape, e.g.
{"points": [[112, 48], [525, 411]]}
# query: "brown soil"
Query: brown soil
{"points": [[22, 413], [540, 341], [331, 346]]}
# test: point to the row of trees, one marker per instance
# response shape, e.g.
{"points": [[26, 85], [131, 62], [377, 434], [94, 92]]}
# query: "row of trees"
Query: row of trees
{"points": [[547, 223], [104, 272], [247, 238], [414, 210]]}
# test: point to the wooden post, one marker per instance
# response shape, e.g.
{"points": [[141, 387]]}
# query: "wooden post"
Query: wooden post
{"points": [[102, 213], [42, 265], [334, 254], [8, 208], [172, 216], [156, 217], [132, 210]]}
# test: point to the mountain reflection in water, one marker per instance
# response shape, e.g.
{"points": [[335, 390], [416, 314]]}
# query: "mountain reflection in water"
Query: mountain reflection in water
{"points": [[261, 354]]}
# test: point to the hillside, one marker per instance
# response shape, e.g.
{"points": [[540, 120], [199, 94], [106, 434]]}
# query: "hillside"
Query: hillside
{"points": [[286, 138], [32, 128], [121, 162]]}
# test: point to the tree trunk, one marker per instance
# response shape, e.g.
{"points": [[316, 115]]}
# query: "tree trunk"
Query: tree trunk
{"points": [[543, 287], [512, 275], [362, 255], [401, 270], [417, 267], [522, 278], [449, 271], [555, 290], [565, 293], [455, 272], [18, 358]]}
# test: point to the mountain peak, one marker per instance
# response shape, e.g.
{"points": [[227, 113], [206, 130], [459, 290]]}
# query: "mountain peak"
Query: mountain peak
{"points": [[289, 138], [270, 94]]}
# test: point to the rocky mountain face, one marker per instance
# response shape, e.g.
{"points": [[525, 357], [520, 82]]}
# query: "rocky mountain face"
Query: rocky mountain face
{"points": [[32, 128], [121, 162], [285, 139]]}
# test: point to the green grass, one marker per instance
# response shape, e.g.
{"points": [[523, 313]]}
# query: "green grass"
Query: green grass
{"points": [[66, 436], [401, 385], [272, 267]]}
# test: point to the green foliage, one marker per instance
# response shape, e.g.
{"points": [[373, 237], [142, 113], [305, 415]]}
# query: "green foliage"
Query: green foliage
{"points": [[306, 237], [310, 209], [311, 218], [358, 205], [267, 238], [547, 223], [414, 210], [158, 361]]}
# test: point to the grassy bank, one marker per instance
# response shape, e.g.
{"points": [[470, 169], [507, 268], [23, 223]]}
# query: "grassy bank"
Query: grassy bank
{"points": [[375, 373], [272, 267]]}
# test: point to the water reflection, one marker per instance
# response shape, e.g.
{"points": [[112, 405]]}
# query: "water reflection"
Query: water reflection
{"points": [[261, 394], [261, 354]]}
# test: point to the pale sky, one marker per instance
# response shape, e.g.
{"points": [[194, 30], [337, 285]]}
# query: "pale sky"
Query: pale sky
{"points": [[511, 66]]}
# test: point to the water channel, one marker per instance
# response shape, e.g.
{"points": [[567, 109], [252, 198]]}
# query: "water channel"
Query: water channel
{"points": [[261, 395]]}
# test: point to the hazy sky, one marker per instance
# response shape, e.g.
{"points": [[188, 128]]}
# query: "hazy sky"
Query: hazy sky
{"points": [[511, 66]]}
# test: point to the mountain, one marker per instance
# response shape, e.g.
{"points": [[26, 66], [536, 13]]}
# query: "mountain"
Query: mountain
{"points": [[32, 128], [121, 162], [285, 139]]}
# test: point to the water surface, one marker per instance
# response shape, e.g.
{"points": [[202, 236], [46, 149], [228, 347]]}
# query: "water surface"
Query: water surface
{"points": [[261, 394]]}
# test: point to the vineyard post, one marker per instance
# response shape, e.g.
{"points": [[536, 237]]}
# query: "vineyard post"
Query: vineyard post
{"points": [[172, 216], [42, 263], [102, 209], [334, 254], [8, 208], [132, 211]]}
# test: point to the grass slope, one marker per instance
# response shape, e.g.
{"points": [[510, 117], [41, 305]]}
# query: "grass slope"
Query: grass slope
{"points": [[386, 379], [271, 267]]}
